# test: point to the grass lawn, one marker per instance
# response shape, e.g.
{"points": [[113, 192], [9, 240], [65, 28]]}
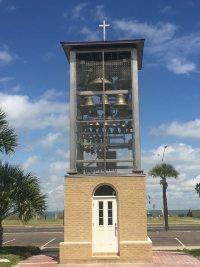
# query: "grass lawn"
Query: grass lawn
{"points": [[194, 252], [174, 220], [16, 254], [152, 221], [34, 222]]}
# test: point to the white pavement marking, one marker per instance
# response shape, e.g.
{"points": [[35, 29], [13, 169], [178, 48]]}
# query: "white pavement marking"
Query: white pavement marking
{"points": [[42, 247], [8, 241], [180, 242]]}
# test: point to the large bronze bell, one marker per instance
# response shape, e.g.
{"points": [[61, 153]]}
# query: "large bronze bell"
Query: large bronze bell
{"points": [[89, 102], [97, 84], [120, 100]]}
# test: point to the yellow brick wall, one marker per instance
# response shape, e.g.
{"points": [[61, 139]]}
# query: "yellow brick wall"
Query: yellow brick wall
{"points": [[131, 206], [74, 252], [132, 220]]}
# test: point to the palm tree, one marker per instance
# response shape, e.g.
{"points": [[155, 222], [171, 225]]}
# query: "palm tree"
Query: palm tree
{"points": [[19, 194], [164, 171], [197, 188], [19, 191], [8, 137]]}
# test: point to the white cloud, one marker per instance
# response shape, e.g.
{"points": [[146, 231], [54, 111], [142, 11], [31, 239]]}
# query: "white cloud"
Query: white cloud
{"points": [[62, 153], [181, 193], [24, 113], [99, 13], [56, 197], [180, 66], [166, 9], [76, 12], [189, 129], [156, 33], [89, 35], [6, 79], [16, 89], [5, 56], [50, 139], [30, 162], [177, 53], [59, 166], [52, 93], [11, 8]]}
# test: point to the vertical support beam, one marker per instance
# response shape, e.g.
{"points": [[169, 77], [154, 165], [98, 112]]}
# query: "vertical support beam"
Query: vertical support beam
{"points": [[135, 106], [73, 112]]}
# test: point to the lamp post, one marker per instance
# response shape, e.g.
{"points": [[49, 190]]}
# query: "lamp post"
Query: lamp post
{"points": [[165, 147]]}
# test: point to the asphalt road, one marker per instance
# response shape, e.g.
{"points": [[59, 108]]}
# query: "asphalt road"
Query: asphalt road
{"points": [[50, 237]]}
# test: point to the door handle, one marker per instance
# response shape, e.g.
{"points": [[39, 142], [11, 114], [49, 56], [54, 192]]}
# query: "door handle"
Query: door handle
{"points": [[116, 229]]}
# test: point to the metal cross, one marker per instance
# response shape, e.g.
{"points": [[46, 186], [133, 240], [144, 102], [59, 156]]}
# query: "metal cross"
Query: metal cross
{"points": [[104, 25]]}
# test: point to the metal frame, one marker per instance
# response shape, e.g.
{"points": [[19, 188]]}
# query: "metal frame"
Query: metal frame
{"points": [[135, 109], [73, 113], [73, 109]]}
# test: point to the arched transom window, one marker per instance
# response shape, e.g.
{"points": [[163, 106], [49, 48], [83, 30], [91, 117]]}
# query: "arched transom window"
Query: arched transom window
{"points": [[105, 190]]}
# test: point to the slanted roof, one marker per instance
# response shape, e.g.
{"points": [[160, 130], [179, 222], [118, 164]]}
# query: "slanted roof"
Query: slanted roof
{"points": [[95, 45]]}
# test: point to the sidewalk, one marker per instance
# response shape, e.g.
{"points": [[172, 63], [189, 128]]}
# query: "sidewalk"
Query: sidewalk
{"points": [[160, 259]]}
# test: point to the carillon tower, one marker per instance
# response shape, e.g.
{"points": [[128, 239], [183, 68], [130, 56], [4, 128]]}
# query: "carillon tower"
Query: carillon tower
{"points": [[105, 209]]}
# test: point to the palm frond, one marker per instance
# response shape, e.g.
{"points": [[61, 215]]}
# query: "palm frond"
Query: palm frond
{"points": [[20, 193], [164, 171], [8, 137]]}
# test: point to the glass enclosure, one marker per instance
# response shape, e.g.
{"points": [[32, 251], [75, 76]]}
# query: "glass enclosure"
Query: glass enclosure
{"points": [[105, 133]]}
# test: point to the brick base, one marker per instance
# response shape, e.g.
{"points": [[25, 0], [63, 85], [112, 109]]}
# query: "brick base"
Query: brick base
{"points": [[130, 251], [134, 246]]}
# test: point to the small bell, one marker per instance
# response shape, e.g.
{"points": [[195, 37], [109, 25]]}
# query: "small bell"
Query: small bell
{"points": [[106, 100], [120, 100], [100, 130], [115, 131], [89, 102]]}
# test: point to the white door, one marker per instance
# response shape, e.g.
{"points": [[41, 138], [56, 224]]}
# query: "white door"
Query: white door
{"points": [[105, 234]]}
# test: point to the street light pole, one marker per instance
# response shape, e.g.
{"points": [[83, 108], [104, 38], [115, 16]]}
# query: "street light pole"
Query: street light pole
{"points": [[165, 147]]}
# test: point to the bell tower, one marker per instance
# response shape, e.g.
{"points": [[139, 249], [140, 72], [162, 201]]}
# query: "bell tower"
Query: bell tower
{"points": [[105, 209]]}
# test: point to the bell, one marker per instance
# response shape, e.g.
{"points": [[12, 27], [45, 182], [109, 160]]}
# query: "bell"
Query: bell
{"points": [[97, 83], [120, 100], [89, 102], [106, 101], [115, 131]]}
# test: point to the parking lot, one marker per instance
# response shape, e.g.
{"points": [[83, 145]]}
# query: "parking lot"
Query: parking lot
{"points": [[50, 237]]}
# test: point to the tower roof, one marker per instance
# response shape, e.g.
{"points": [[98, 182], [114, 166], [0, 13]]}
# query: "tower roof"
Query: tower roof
{"points": [[95, 45]]}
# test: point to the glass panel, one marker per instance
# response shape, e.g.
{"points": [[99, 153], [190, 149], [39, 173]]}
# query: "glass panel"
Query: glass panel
{"points": [[100, 204], [109, 204], [100, 221], [110, 221], [110, 213], [105, 190], [100, 212]]}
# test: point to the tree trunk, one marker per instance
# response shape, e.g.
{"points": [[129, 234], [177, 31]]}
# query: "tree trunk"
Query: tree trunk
{"points": [[165, 208], [1, 234]]}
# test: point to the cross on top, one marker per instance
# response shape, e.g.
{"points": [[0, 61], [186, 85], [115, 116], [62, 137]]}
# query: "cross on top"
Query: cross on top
{"points": [[103, 26]]}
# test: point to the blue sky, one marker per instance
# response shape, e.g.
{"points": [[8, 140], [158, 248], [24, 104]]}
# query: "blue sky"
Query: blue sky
{"points": [[34, 82]]}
